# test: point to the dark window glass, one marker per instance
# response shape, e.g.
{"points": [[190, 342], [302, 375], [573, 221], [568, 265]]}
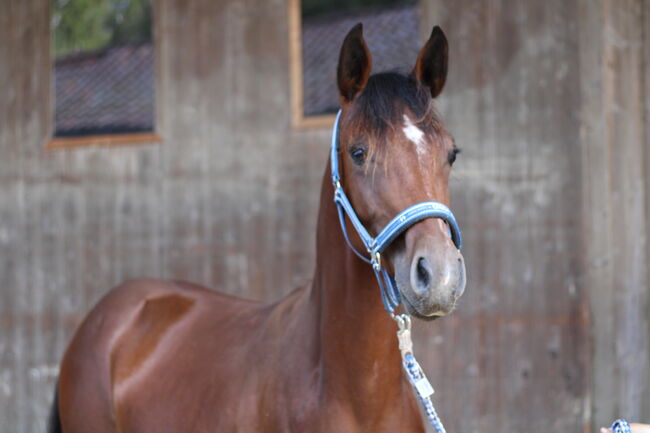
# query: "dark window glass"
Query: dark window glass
{"points": [[390, 28], [103, 67]]}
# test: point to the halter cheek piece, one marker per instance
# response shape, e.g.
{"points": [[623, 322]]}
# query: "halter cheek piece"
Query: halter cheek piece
{"points": [[375, 246]]}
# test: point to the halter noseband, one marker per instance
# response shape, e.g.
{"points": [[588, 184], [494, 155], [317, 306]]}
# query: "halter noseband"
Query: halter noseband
{"points": [[375, 246]]}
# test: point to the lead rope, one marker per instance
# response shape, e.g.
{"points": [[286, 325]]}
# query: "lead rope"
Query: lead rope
{"points": [[414, 373], [621, 426]]}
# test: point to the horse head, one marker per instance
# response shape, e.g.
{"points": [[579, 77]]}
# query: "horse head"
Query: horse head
{"points": [[395, 152]]}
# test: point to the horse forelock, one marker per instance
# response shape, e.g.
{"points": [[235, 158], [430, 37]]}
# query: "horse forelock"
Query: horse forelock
{"points": [[380, 108]]}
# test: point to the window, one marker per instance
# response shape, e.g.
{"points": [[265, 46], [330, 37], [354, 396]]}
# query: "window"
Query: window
{"points": [[103, 72], [316, 31]]}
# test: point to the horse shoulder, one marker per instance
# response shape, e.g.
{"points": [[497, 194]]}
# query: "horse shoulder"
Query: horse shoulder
{"points": [[114, 342], [164, 312]]}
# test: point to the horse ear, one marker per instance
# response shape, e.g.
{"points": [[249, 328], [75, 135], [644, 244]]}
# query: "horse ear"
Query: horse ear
{"points": [[431, 66], [354, 64]]}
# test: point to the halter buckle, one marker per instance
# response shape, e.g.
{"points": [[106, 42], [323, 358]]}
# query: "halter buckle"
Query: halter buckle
{"points": [[404, 334], [376, 261], [403, 321]]}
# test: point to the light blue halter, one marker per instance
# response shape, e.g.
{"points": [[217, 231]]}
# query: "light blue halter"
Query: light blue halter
{"points": [[375, 246]]}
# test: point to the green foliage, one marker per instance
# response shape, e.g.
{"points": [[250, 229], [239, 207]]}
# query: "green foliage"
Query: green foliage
{"points": [[311, 8], [132, 21], [87, 25]]}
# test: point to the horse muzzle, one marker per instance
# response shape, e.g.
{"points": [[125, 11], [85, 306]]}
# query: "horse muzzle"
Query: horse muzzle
{"points": [[433, 279]]}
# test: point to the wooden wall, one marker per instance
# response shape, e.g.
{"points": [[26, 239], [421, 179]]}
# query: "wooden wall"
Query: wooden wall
{"points": [[516, 356], [549, 101], [615, 74], [545, 98]]}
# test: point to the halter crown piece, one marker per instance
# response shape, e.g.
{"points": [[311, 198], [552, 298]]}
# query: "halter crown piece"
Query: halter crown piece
{"points": [[375, 246]]}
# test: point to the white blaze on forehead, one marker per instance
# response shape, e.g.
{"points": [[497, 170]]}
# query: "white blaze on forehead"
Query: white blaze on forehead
{"points": [[414, 134]]}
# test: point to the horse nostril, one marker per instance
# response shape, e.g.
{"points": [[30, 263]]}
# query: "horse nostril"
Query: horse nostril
{"points": [[423, 274]]}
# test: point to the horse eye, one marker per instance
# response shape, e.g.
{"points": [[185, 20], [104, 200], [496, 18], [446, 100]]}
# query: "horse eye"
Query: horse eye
{"points": [[358, 154], [451, 156]]}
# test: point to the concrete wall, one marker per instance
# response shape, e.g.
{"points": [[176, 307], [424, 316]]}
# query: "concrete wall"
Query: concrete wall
{"points": [[545, 98]]}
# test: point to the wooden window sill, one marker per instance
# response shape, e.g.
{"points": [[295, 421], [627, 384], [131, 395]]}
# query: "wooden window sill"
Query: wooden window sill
{"points": [[108, 140], [320, 121]]}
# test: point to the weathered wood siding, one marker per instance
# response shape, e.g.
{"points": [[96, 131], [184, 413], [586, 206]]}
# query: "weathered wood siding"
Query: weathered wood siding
{"points": [[547, 100], [615, 74], [516, 355]]}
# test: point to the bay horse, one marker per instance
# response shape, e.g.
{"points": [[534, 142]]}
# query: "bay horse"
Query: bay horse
{"points": [[168, 356]]}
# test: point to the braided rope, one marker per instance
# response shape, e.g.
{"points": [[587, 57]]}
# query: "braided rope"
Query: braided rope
{"points": [[415, 374]]}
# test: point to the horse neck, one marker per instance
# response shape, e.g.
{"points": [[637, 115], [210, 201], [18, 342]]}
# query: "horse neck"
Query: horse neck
{"points": [[358, 346]]}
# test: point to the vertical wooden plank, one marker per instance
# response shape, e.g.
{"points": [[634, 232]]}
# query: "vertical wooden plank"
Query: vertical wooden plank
{"points": [[623, 77], [645, 73], [9, 221], [24, 334], [597, 267], [614, 206]]}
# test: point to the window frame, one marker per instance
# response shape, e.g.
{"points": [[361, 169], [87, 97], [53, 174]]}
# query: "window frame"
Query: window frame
{"points": [[108, 140], [298, 119], [103, 140]]}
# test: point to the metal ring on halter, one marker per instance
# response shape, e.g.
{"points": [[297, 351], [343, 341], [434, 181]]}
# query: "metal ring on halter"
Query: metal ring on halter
{"points": [[376, 261], [403, 321]]}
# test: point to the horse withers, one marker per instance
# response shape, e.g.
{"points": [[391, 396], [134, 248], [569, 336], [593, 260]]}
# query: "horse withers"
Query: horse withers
{"points": [[169, 356]]}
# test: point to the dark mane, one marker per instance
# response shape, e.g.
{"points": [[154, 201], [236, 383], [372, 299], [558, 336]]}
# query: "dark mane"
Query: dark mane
{"points": [[386, 97]]}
